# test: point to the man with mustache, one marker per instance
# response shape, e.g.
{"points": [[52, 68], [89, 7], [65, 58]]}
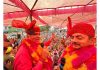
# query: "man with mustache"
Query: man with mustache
{"points": [[81, 54]]}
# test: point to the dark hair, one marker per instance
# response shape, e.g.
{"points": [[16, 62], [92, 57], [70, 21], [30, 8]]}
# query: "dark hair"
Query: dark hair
{"points": [[18, 36], [42, 45], [30, 31], [62, 61], [5, 48]]}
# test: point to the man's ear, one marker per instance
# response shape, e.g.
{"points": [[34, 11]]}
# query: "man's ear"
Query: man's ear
{"points": [[93, 40]]}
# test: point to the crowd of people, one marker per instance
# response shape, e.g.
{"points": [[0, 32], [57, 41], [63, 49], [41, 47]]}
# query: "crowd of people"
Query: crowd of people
{"points": [[38, 52]]}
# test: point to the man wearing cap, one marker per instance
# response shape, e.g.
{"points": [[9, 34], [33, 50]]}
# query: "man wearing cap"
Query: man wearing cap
{"points": [[30, 53], [81, 54]]}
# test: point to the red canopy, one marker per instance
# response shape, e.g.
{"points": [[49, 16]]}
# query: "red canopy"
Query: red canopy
{"points": [[50, 12]]}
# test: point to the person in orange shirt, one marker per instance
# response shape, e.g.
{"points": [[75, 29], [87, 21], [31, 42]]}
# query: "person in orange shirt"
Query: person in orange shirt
{"points": [[81, 54]]}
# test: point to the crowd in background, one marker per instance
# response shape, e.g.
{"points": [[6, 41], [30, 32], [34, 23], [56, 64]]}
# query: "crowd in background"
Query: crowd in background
{"points": [[11, 45]]}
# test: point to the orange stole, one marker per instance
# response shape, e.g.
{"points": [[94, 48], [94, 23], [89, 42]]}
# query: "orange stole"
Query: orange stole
{"points": [[35, 52], [68, 64], [69, 58]]}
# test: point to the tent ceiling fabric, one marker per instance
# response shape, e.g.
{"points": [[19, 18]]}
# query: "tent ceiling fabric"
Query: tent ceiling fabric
{"points": [[52, 12], [56, 3]]}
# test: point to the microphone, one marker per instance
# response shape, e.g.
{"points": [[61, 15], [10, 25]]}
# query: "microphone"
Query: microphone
{"points": [[62, 63]]}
